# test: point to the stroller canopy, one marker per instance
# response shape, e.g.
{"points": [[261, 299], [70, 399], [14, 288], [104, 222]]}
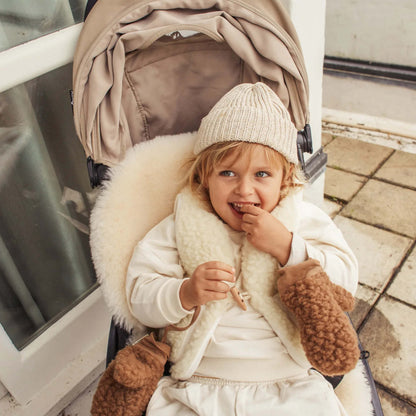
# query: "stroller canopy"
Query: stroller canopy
{"points": [[148, 68]]}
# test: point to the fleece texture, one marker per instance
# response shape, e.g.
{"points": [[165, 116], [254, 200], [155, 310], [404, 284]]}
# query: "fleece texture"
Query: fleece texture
{"points": [[257, 277], [131, 378], [141, 192], [327, 336]]}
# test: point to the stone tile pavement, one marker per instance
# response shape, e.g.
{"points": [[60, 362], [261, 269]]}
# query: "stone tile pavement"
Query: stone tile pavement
{"points": [[370, 191]]}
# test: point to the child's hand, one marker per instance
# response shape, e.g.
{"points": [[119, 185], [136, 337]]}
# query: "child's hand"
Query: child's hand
{"points": [[266, 232], [206, 284]]}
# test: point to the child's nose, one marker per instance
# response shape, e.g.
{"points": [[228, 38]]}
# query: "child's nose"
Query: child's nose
{"points": [[244, 187]]}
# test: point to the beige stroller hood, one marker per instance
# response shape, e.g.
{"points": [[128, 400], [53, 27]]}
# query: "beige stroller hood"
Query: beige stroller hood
{"points": [[148, 68]]}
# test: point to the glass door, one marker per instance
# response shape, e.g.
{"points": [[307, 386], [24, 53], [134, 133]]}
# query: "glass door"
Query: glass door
{"points": [[51, 312]]}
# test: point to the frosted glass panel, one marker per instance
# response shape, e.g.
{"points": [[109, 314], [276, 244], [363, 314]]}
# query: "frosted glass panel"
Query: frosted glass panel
{"points": [[24, 20], [45, 196]]}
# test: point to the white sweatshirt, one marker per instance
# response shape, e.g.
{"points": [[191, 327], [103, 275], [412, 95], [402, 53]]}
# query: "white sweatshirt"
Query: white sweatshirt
{"points": [[158, 267]]}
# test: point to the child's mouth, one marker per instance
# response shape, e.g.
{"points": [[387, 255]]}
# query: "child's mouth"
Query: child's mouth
{"points": [[238, 205]]}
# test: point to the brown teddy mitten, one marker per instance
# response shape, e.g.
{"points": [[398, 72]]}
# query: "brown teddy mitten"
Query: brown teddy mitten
{"points": [[131, 378], [328, 338]]}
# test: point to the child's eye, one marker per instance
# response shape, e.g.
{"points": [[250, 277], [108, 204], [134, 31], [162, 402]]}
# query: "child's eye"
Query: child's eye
{"points": [[262, 174], [227, 173]]}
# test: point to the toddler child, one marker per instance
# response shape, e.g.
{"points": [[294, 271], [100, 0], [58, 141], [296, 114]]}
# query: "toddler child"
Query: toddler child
{"points": [[240, 219]]}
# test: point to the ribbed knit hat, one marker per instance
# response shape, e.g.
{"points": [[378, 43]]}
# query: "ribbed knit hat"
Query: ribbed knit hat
{"points": [[250, 113]]}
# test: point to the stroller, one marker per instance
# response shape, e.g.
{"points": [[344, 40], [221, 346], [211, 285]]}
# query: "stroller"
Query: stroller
{"points": [[145, 73]]}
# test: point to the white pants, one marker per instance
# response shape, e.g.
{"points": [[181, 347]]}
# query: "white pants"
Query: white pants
{"points": [[311, 395]]}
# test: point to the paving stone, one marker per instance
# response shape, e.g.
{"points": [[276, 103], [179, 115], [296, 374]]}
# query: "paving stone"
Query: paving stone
{"points": [[400, 169], [331, 208], [389, 333], [364, 300], [355, 155], [404, 284], [342, 185], [327, 138], [378, 251], [385, 205], [388, 336], [392, 406]]}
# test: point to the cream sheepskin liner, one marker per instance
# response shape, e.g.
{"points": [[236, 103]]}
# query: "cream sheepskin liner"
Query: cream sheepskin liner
{"points": [[140, 192]]}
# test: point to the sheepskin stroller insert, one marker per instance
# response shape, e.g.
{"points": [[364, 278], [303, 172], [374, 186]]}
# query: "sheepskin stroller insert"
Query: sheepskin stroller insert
{"points": [[144, 69]]}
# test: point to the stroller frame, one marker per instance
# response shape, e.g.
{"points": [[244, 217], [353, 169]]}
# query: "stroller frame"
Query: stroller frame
{"points": [[97, 127]]}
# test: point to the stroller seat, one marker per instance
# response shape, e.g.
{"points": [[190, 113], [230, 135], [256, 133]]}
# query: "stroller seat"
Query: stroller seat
{"points": [[121, 217]]}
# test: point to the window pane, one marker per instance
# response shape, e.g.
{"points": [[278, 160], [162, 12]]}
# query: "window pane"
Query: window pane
{"points": [[24, 20], [45, 198]]}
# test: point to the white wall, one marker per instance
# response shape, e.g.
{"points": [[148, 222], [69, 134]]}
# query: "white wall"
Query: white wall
{"points": [[372, 30]]}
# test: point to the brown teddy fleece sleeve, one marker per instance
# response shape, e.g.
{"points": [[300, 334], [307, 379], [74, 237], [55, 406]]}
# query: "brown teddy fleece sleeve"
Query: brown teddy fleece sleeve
{"points": [[328, 338]]}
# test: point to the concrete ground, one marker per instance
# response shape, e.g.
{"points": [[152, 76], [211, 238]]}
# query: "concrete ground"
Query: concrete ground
{"points": [[370, 192]]}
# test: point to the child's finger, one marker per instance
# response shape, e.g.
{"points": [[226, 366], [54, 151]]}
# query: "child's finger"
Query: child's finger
{"points": [[249, 218], [251, 214], [251, 209], [217, 270], [217, 286], [211, 296], [247, 227], [219, 275], [216, 264]]}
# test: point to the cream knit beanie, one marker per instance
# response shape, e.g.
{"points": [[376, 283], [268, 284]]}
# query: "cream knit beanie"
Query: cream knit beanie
{"points": [[250, 113]]}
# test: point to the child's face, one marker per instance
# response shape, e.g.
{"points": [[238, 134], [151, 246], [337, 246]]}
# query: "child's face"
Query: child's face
{"points": [[249, 178]]}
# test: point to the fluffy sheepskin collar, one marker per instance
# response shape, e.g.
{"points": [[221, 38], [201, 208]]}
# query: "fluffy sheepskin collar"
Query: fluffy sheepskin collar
{"points": [[212, 241]]}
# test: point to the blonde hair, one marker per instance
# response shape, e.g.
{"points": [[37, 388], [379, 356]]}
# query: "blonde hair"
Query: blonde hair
{"points": [[202, 165]]}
